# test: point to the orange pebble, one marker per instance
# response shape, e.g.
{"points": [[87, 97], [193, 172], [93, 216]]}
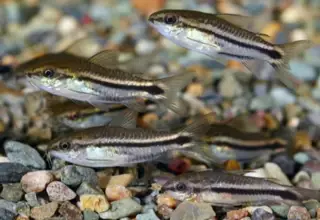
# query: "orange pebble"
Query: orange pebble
{"points": [[302, 141], [270, 122], [164, 199], [146, 7], [116, 192], [232, 165], [235, 65]]}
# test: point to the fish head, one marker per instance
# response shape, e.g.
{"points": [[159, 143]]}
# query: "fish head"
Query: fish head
{"points": [[167, 22], [180, 188]]}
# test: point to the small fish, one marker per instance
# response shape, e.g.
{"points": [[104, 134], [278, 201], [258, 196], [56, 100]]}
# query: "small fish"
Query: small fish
{"points": [[123, 145], [225, 36], [227, 142], [99, 82], [227, 189]]}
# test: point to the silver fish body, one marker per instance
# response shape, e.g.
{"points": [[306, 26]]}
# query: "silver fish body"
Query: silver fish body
{"points": [[226, 189]]}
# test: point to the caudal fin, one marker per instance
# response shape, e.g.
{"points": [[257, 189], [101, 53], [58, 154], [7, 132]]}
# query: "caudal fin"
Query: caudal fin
{"points": [[290, 50], [172, 86]]}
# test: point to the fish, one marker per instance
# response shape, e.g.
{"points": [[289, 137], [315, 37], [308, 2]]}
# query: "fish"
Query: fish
{"points": [[121, 144], [98, 81], [226, 189], [227, 143], [225, 36]]}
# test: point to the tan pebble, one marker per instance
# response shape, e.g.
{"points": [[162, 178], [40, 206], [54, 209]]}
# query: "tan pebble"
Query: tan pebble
{"points": [[149, 118], [165, 211], [270, 122], [195, 89], [200, 72], [22, 218], [58, 191], [165, 199], [36, 181], [271, 29], [121, 180], [116, 192], [4, 159], [146, 7], [44, 211], [318, 213], [97, 203], [302, 141], [237, 214]]}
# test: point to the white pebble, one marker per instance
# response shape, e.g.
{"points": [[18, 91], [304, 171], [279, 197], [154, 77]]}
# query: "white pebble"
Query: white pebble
{"points": [[144, 47], [259, 173], [275, 172], [67, 25], [298, 34]]}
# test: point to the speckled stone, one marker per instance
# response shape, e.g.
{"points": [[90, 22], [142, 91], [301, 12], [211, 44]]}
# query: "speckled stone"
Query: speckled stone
{"points": [[23, 208], [297, 212], [10, 206], [32, 199], [149, 215], [90, 215], [191, 210], [74, 175], [122, 208], [12, 192], [58, 191], [21, 153], [70, 211], [86, 188], [36, 181], [261, 214], [98, 203], [6, 214]]}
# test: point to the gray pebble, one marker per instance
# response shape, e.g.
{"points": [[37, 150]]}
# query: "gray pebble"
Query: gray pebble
{"points": [[315, 179], [280, 210], [10, 206], [193, 211], [122, 208], [286, 164], [282, 96], [150, 215], [147, 207], [58, 164], [262, 103], [12, 172], [312, 206], [32, 199], [302, 70], [261, 214], [12, 192], [301, 157], [23, 208], [74, 175], [86, 188], [24, 154], [298, 213], [90, 215], [6, 214]]}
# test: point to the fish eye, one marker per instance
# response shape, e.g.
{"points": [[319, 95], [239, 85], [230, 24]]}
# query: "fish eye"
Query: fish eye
{"points": [[181, 187], [170, 19], [49, 73], [64, 145]]}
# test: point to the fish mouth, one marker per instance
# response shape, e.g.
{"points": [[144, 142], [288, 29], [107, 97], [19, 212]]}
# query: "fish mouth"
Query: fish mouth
{"points": [[151, 20]]}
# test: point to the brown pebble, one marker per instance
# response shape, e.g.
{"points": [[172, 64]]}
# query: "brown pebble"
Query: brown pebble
{"points": [[104, 177], [146, 7], [97, 203], [318, 213], [201, 72], [302, 141], [58, 191], [167, 200], [70, 211], [44, 211], [36, 181], [270, 122], [237, 214], [117, 192]]}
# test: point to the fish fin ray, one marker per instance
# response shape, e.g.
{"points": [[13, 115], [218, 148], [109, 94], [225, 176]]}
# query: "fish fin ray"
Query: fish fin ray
{"points": [[136, 105], [127, 119], [172, 86], [106, 59], [241, 21], [216, 46], [76, 48], [254, 66], [200, 125]]}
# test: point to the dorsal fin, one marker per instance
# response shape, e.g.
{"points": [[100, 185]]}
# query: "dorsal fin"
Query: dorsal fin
{"points": [[83, 47], [125, 119], [106, 59]]}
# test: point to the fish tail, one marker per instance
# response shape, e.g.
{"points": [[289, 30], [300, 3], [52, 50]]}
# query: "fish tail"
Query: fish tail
{"points": [[306, 194], [288, 51], [172, 86]]}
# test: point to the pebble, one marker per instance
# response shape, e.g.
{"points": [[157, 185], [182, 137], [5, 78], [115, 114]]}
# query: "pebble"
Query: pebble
{"points": [[24, 154], [237, 214], [58, 191], [23, 208], [44, 211], [302, 70], [312, 206], [274, 171], [116, 192], [12, 172], [67, 25], [301, 176], [262, 214], [297, 212], [86, 188], [70, 211], [122, 208], [318, 213], [36, 181], [121, 180], [286, 163], [315, 179], [164, 199], [301, 157], [12, 192], [165, 211], [32, 199], [252, 209], [146, 7], [282, 97], [6, 214], [104, 177], [261, 103], [229, 87], [149, 215], [74, 175], [97, 203], [90, 215], [10, 206], [145, 47], [193, 211]]}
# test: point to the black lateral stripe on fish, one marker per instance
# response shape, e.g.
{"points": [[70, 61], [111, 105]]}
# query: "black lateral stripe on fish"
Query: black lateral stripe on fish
{"points": [[271, 52], [247, 144]]}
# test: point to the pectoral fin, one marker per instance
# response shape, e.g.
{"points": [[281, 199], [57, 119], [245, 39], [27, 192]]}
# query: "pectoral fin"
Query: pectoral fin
{"points": [[211, 44]]}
